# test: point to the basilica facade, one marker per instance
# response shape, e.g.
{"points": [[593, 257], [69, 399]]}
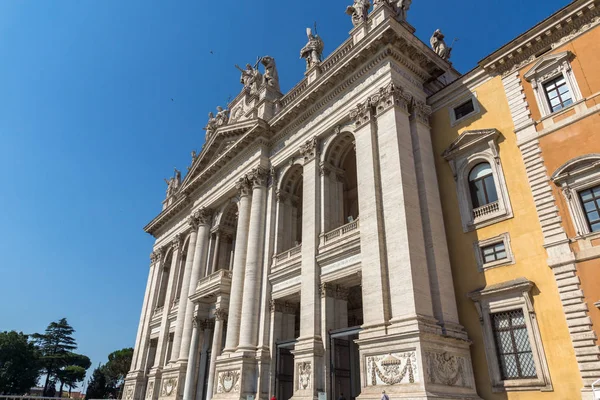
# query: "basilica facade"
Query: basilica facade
{"points": [[376, 228]]}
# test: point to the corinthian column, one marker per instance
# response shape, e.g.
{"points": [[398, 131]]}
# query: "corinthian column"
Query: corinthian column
{"points": [[220, 317], [239, 266], [256, 242], [185, 285], [202, 218]]}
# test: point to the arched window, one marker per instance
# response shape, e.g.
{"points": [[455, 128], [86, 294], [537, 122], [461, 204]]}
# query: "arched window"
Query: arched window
{"points": [[482, 185]]}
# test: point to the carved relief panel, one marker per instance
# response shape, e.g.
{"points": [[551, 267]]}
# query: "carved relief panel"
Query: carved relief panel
{"points": [[447, 369], [304, 372], [392, 369], [228, 381]]}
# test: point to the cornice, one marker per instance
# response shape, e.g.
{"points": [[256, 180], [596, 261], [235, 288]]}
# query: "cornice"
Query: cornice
{"points": [[564, 25], [305, 99], [167, 214]]}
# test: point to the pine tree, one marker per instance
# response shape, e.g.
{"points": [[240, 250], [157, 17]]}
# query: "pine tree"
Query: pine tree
{"points": [[56, 346]]}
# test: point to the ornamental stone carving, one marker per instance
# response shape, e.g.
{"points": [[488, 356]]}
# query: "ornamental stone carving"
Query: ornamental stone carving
{"points": [[362, 114], [128, 392], [251, 77], [244, 186], [400, 7], [258, 177], [309, 149], [150, 390], [177, 241], [203, 215], [304, 370], [392, 369], [228, 381], [221, 314], [168, 386], [439, 45], [422, 112], [193, 222], [173, 183], [271, 75], [389, 96], [446, 369]]}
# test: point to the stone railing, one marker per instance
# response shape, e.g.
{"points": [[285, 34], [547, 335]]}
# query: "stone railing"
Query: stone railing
{"points": [[326, 65], [158, 311], [486, 210], [215, 276], [337, 55], [339, 232], [288, 254]]}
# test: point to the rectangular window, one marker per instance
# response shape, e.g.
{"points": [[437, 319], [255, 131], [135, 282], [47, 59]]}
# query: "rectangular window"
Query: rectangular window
{"points": [[558, 94], [515, 356], [590, 199], [464, 109], [493, 252]]}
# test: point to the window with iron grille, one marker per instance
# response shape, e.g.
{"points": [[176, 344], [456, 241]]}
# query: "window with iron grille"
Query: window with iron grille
{"points": [[512, 344], [590, 199], [558, 94], [493, 252]]}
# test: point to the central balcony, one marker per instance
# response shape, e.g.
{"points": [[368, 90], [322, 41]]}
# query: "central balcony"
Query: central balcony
{"points": [[212, 286]]}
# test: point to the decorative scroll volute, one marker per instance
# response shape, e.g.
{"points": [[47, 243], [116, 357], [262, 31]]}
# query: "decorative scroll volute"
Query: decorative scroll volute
{"points": [[204, 216], [309, 149], [244, 186], [258, 177], [362, 114]]}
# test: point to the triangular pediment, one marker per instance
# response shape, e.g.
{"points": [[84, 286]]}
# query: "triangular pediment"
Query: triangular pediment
{"points": [[469, 139], [217, 145], [550, 61]]}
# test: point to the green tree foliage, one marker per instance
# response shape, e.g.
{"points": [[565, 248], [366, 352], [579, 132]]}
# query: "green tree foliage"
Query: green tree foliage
{"points": [[56, 346], [19, 363], [117, 368], [98, 387], [73, 372], [107, 380]]}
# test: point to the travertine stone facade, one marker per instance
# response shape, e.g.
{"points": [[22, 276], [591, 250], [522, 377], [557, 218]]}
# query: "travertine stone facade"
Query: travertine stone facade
{"points": [[316, 247]]}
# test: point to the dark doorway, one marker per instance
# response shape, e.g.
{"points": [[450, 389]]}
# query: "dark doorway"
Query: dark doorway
{"points": [[345, 363], [285, 371]]}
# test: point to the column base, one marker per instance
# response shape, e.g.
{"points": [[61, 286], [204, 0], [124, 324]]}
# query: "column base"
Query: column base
{"points": [[308, 368], [411, 358], [171, 382], [236, 376], [135, 386]]}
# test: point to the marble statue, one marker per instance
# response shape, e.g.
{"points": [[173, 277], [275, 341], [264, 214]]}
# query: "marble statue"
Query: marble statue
{"points": [[313, 50], [211, 126], [271, 76], [359, 11], [173, 183], [222, 117], [251, 77], [401, 7], [439, 45]]}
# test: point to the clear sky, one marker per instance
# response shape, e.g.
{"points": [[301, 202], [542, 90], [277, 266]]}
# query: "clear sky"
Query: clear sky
{"points": [[100, 99]]}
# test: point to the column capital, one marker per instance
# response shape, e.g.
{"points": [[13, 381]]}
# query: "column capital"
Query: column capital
{"points": [[362, 113], [203, 216], [177, 241], [244, 186], [258, 177], [193, 222], [156, 256], [422, 112], [324, 168], [281, 196], [309, 149], [220, 314], [390, 96], [327, 290], [276, 305]]}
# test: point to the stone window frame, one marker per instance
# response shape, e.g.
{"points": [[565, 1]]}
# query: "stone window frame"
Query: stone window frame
{"points": [[469, 149], [479, 245], [503, 297], [460, 101], [548, 68], [576, 175]]}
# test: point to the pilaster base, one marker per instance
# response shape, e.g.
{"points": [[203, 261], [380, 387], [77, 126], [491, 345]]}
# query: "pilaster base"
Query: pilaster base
{"points": [[153, 385], [134, 386], [236, 376], [171, 382], [412, 359], [308, 368]]}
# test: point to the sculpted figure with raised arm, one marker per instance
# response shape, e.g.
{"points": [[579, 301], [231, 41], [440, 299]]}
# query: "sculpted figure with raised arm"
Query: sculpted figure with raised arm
{"points": [[359, 11], [313, 50]]}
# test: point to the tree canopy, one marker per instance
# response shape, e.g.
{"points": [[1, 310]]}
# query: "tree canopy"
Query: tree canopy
{"points": [[107, 380], [19, 363]]}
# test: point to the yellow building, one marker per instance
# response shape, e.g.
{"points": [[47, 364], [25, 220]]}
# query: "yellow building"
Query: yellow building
{"points": [[527, 310]]}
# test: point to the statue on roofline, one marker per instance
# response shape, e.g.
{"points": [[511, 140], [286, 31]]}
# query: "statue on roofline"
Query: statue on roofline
{"points": [[439, 45], [359, 11], [271, 75], [251, 77], [173, 183], [401, 7], [313, 50]]}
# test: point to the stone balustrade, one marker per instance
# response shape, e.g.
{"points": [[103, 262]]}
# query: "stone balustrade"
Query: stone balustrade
{"points": [[486, 210], [340, 233], [288, 254], [214, 277]]}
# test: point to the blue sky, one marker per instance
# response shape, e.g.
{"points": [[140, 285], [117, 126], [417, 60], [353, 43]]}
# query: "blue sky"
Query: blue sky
{"points": [[88, 130]]}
